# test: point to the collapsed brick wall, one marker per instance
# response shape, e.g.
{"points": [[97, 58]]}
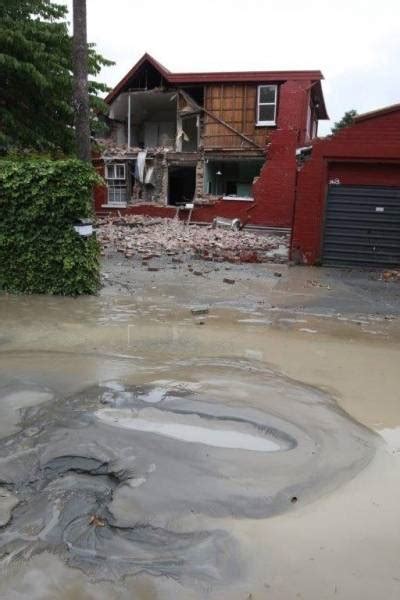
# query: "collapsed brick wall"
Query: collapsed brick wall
{"points": [[274, 191]]}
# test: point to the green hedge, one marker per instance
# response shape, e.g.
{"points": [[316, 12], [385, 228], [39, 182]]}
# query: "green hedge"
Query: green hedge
{"points": [[40, 252]]}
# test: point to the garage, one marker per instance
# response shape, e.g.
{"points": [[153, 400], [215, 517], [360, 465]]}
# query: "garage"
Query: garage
{"points": [[362, 226], [347, 209]]}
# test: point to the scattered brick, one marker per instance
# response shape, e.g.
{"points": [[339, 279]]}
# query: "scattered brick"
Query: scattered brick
{"points": [[152, 238]]}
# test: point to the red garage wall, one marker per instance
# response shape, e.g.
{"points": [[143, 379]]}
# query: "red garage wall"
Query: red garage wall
{"points": [[367, 173], [367, 153]]}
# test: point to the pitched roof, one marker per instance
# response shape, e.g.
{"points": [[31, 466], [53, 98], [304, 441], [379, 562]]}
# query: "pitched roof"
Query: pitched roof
{"points": [[224, 76]]}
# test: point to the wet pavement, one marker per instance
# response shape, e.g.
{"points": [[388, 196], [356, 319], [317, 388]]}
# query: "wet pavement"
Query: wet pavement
{"points": [[247, 449]]}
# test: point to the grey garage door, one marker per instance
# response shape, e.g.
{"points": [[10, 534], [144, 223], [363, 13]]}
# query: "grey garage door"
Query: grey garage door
{"points": [[362, 226]]}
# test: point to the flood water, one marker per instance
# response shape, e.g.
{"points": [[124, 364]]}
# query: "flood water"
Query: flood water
{"points": [[145, 456]]}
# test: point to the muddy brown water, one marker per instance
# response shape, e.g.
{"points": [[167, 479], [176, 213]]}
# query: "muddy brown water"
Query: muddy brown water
{"points": [[145, 456]]}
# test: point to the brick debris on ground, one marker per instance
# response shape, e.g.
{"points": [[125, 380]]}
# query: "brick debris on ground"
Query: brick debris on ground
{"points": [[146, 237]]}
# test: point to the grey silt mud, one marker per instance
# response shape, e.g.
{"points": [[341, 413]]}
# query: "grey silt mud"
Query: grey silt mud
{"points": [[123, 478]]}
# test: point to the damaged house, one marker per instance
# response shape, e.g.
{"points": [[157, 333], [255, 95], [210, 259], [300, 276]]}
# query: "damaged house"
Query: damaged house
{"points": [[222, 142]]}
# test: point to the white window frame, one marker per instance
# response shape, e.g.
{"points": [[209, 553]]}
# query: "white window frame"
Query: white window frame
{"points": [[116, 195], [274, 104], [116, 184], [114, 171]]}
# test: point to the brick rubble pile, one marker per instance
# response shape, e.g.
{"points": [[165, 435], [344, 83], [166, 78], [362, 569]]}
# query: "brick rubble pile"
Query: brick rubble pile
{"points": [[146, 237]]}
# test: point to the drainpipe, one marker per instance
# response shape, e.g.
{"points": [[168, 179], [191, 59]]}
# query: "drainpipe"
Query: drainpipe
{"points": [[129, 121]]}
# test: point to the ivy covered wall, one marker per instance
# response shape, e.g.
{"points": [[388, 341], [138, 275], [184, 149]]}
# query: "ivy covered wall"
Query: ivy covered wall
{"points": [[40, 251]]}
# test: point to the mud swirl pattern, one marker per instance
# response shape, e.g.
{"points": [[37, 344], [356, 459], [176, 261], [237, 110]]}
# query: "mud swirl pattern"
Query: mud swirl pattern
{"points": [[120, 479]]}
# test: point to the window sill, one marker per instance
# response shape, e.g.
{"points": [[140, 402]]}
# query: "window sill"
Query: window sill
{"points": [[266, 124], [114, 205], [238, 198]]}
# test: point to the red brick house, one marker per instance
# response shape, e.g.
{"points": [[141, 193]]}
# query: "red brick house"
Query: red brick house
{"points": [[223, 141], [348, 195]]}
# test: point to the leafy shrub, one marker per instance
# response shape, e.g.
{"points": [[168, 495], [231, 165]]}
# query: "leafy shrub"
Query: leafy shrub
{"points": [[40, 252]]}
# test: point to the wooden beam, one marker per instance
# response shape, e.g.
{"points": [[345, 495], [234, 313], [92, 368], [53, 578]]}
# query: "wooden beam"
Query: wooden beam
{"points": [[244, 137]]}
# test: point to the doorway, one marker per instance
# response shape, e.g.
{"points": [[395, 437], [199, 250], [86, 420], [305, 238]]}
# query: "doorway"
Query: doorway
{"points": [[181, 185]]}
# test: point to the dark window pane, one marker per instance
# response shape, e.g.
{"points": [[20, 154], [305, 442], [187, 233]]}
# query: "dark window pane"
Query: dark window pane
{"points": [[266, 112], [267, 93]]}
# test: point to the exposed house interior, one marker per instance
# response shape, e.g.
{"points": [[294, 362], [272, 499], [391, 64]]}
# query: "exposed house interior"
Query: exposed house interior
{"points": [[154, 125], [145, 119], [156, 118], [159, 129], [231, 178], [180, 138]]}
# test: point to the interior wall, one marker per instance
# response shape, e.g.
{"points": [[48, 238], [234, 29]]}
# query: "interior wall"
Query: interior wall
{"points": [[158, 133]]}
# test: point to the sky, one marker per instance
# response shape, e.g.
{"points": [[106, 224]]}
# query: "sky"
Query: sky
{"points": [[355, 43]]}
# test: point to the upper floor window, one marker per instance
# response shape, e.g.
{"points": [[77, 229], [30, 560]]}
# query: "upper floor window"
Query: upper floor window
{"points": [[266, 104], [115, 171]]}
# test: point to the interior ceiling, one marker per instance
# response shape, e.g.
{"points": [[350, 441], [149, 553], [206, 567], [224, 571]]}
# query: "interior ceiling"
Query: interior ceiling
{"points": [[143, 104]]}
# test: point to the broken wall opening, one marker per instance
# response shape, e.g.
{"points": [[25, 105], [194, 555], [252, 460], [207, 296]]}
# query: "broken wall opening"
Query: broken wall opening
{"points": [[181, 184], [139, 179], [190, 128], [145, 119], [231, 178], [149, 178], [188, 123]]}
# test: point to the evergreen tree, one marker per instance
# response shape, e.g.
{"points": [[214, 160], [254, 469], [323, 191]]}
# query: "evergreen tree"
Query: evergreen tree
{"points": [[345, 121], [36, 111]]}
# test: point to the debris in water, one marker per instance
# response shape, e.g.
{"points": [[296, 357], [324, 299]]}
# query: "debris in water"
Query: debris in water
{"points": [[200, 310], [315, 283], [390, 275], [96, 521]]}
